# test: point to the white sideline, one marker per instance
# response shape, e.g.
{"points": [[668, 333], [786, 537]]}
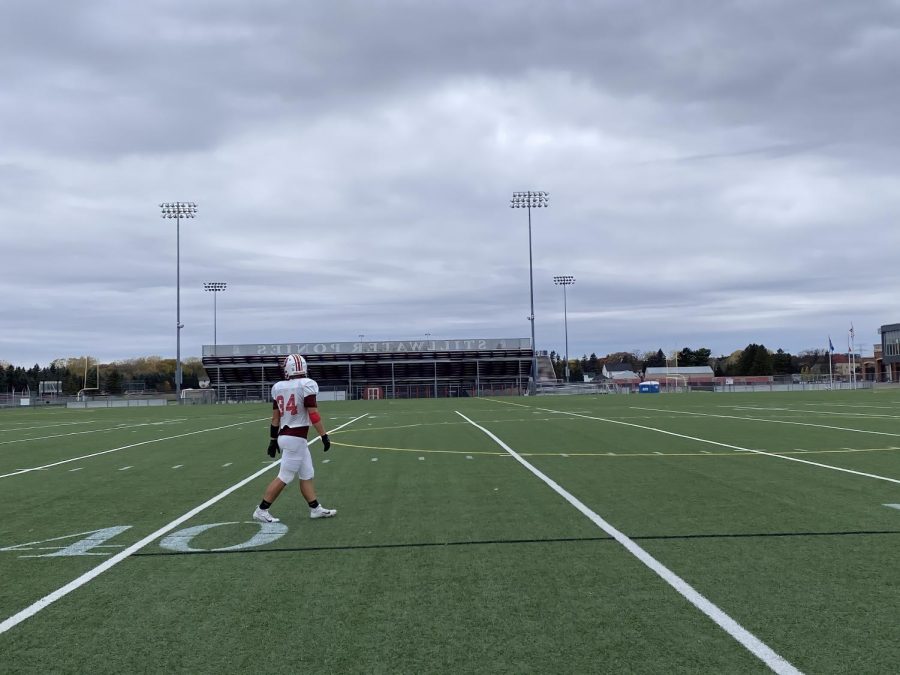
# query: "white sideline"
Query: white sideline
{"points": [[36, 607], [724, 445], [763, 452], [125, 447], [771, 421], [749, 641]]}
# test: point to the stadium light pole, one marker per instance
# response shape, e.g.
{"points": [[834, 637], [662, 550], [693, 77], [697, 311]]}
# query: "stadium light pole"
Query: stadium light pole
{"points": [[565, 280], [214, 287], [178, 210], [531, 200]]}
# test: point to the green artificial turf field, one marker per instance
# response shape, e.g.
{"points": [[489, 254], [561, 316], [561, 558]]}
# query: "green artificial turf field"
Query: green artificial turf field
{"points": [[127, 545]]}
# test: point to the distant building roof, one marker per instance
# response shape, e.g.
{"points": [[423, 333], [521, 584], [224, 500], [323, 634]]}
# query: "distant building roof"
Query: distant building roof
{"points": [[621, 372], [682, 370], [624, 375]]}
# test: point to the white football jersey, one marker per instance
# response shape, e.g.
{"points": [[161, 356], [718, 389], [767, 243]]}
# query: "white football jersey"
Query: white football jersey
{"points": [[292, 397]]}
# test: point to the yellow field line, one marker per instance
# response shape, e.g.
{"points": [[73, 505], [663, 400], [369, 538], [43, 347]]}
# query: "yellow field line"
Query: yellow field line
{"points": [[517, 421], [449, 452], [607, 454]]}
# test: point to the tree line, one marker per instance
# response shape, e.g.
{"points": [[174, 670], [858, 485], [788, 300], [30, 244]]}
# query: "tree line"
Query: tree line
{"points": [[754, 359], [148, 374], [154, 373]]}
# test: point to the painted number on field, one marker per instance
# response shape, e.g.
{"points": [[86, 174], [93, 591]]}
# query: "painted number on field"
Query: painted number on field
{"points": [[84, 546], [88, 543], [181, 540]]}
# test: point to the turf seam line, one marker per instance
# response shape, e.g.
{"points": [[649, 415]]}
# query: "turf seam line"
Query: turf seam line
{"points": [[36, 607], [366, 547], [753, 644], [498, 542], [131, 445]]}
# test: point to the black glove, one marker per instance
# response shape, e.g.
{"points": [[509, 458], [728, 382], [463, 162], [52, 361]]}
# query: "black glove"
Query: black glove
{"points": [[326, 443], [273, 447]]}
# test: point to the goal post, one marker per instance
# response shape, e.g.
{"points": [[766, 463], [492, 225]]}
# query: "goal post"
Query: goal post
{"points": [[676, 383]]}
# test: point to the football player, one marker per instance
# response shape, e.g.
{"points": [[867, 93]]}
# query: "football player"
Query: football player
{"points": [[294, 410]]}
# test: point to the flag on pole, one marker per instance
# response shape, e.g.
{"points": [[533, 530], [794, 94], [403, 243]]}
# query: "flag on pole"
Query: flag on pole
{"points": [[830, 344]]}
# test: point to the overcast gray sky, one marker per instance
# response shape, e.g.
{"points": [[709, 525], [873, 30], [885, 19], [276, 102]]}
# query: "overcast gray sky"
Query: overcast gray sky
{"points": [[719, 172]]}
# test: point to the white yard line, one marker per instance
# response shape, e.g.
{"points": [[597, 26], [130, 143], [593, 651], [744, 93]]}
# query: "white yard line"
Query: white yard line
{"points": [[855, 405], [749, 641], [47, 426], [80, 433], [734, 447], [75, 584], [818, 412], [125, 447]]}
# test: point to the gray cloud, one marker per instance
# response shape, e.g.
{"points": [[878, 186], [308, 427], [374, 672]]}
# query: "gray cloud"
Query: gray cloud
{"points": [[720, 172]]}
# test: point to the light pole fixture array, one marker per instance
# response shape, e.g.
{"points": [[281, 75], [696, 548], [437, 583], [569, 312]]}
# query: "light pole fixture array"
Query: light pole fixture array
{"points": [[214, 287], [178, 210], [565, 280], [531, 200]]}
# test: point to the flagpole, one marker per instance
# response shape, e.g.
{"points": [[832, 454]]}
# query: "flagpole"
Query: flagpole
{"points": [[850, 355], [849, 371], [830, 372]]}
